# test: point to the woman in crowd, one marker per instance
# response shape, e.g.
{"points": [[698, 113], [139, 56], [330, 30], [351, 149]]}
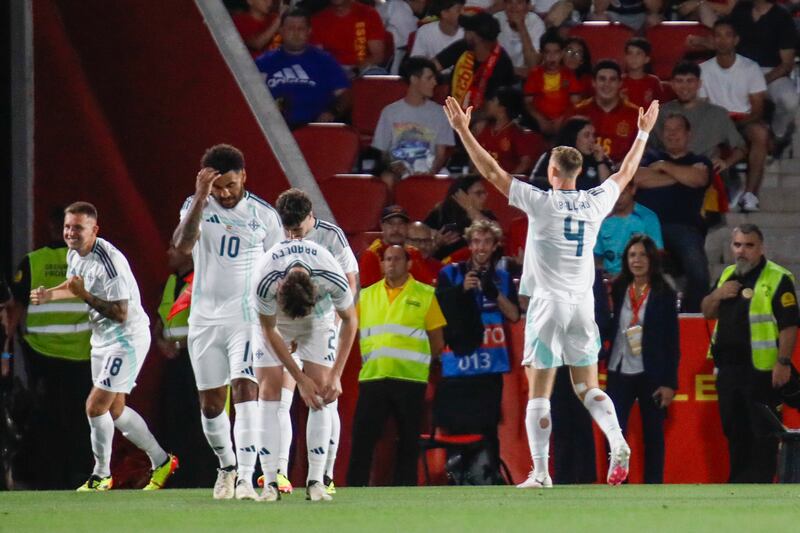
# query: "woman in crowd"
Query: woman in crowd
{"points": [[578, 59], [645, 348]]}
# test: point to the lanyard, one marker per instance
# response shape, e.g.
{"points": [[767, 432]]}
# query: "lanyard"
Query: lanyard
{"points": [[636, 303]]}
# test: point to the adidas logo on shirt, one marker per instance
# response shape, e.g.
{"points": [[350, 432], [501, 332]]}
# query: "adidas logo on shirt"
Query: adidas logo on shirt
{"points": [[214, 219], [294, 75]]}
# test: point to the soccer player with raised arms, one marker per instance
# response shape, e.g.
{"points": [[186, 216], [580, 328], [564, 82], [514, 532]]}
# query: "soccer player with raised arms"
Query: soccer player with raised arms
{"points": [[227, 230], [301, 289], [100, 275], [558, 269]]}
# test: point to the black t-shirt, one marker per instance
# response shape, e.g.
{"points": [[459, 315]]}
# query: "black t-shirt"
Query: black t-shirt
{"points": [[761, 40], [502, 75], [732, 346], [589, 178], [678, 203]]}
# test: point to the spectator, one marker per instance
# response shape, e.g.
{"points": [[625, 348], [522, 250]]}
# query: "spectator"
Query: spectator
{"points": [[435, 36], [306, 82], [465, 203], [554, 13], [398, 314], [551, 88], [614, 119], [400, 17], [512, 146], [469, 396], [768, 36], [258, 26], [520, 31], [579, 133], [413, 133], [712, 128], [672, 183], [423, 239], [628, 218], [481, 64], [635, 14], [736, 83], [645, 348], [394, 232], [638, 86], [755, 305], [353, 33], [488, 6], [578, 59], [705, 12]]}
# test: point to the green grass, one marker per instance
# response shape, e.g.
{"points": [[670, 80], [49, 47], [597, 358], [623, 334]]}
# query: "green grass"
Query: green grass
{"points": [[677, 508]]}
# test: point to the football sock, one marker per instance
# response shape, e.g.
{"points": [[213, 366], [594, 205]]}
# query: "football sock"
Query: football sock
{"points": [[245, 437], [318, 435], [102, 434], [602, 410], [285, 424], [218, 434], [269, 439], [539, 427], [134, 428], [333, 446]]}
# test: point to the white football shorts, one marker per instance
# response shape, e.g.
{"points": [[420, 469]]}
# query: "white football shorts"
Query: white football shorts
{"points": [[558, 334], [222, 353], [115, 367], [316, 344]]}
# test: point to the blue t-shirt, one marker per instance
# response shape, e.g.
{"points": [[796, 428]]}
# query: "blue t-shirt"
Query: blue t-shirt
{"points": [[302, 84], [616, 232]]}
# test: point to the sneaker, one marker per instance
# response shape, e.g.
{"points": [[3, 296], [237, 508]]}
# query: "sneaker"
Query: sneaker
{"points": [[284, 485], [161, 474], [315, 491], [618, 464], [330, 488], [270, 493], [96, 484], [748, 203], [224, 486], [534, 482], [244, 490]]}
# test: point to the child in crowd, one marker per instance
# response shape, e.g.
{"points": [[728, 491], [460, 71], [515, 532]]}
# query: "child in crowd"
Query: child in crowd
{"points": [[578, 59], [638, 86]]}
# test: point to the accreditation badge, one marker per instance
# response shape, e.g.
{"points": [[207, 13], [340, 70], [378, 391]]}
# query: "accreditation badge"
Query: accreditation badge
{"points": [[634, 335], [747, 293]]}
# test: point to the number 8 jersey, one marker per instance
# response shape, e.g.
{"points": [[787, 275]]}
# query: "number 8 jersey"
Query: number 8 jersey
{"points": [[232, 242], [562, 231]]}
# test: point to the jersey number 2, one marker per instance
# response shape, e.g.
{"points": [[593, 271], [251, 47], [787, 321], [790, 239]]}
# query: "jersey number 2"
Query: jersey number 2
{"points": [[576, 236], [233, 246]]}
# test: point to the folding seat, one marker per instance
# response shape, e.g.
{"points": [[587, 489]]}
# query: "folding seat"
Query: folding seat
{"points": [[669, 45], [329, 148], [356, 201], [606, 40], [420, 194]]}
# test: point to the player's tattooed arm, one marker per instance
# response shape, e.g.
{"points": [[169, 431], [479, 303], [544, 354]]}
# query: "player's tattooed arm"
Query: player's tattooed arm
{"points": [[116, 311], [188, 231]]}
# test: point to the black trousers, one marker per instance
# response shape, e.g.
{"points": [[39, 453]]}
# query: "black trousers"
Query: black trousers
{"points": [[573, 438], [624, 390], [377, 401], [752, 448]]}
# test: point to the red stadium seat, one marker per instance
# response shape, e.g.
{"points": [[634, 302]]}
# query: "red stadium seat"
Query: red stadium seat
{"points": [[498, 204], [329, 148], [356, 201], [370, 95], [606, 40], [669, 45], [419, 194]]}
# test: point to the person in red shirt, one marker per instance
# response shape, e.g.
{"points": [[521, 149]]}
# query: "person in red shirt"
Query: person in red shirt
{"points": [[551, 88], [614, 118], [421, 237], [258, 26], [351, 32], [394, 225], [639, 87], [513, 147], [578, 59]]}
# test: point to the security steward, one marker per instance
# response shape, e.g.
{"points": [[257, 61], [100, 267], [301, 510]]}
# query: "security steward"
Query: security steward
{"points": [[400, 325], [757, 315]]}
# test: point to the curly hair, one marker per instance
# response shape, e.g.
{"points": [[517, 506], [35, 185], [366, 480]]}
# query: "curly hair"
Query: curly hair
{"points": [[223, 158], [297, 295], [293, 207]]}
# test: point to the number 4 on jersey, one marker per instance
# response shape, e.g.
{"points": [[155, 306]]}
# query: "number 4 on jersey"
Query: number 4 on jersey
{"points": [[576, 236]]}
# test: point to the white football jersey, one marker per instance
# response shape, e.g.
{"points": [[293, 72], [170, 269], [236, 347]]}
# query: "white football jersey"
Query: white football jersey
{"points": [[231, 243], [562, 231], [107, 275], [326, 275], [332, 238]]}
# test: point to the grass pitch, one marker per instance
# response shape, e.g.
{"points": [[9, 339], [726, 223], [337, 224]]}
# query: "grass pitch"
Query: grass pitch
{"points": [[585, 508]]}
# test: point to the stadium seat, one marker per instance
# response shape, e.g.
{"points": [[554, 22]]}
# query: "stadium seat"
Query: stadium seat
{"points": [[356, 201], [498, 204], [419, 194], [370, 95], [329, 148], [606, 40], [669, 45]]}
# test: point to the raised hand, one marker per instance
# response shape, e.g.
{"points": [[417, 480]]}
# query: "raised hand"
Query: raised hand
{"points": [[457, 117], [205, 179], [647, 119]]}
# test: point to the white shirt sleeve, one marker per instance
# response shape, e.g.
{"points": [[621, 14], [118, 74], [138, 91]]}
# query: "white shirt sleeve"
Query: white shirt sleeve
{"points": [[382, 139], [604, 197], [524, 196], [274, 228], [266, 301], [758, 84]]}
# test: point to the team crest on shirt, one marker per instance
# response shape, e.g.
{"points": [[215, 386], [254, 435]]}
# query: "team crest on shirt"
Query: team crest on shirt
{"points": [[259, 354], [623, 129], [254, 224]]}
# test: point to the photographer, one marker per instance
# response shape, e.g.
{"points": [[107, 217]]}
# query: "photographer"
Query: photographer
{"points": [[477, 299]]}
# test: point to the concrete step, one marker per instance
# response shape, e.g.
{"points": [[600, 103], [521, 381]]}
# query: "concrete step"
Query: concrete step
{"points": [[780, 199], [765, 220]]}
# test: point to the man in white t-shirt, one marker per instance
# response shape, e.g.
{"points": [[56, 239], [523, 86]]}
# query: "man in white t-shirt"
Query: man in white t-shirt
{"points": [[559, 269], [100, 275], [227, 230], [520, 31], [435, 36], [736, 83], [400, 18], [300, 290]]}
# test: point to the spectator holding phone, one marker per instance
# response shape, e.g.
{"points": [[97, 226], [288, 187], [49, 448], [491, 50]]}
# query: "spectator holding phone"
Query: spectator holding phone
{"points": [[645, 348]]}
